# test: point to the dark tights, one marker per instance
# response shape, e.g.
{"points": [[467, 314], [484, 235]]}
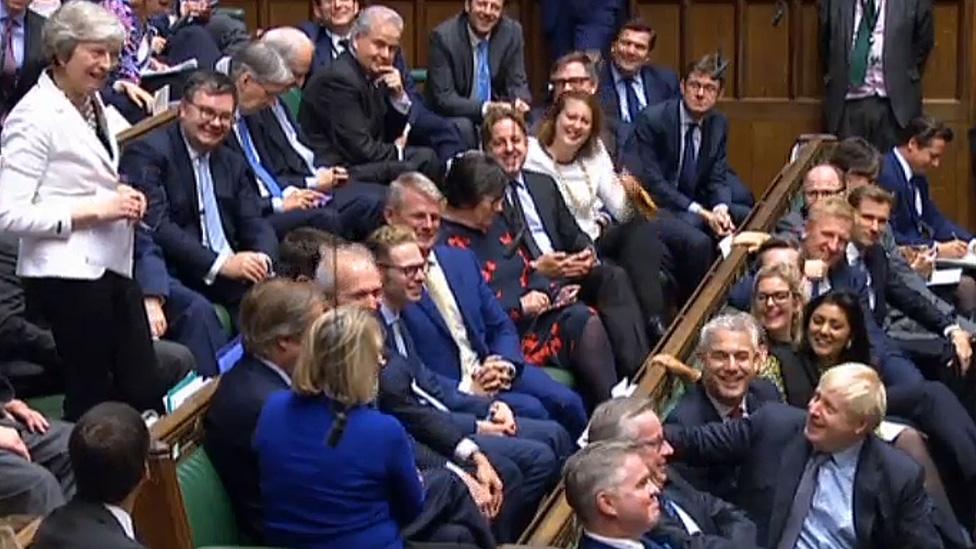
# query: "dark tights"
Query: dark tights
{"points": [[593, 363]]}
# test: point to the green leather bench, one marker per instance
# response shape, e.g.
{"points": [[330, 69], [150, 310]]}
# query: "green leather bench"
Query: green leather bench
{"points": [[208, 507]]}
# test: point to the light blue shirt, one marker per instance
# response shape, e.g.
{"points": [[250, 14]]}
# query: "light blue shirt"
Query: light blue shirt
{"points": [[620, 84], [532, 219], [278, 108], [830, 522], [18, 30]]}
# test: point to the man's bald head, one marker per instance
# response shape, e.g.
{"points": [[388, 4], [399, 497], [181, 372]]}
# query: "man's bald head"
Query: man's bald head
{"points": [[294, 47], [822, 181]]}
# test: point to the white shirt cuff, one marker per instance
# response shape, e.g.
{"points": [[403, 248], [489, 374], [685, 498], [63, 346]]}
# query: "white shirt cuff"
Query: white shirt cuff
{"points": [[399, 153], [312, 181], [718, 207], [465, 449], [465, 385], [402, 105], [484, 108], [949, 329], [277, 204], [216, 266], [695, 208], [452, 467]]}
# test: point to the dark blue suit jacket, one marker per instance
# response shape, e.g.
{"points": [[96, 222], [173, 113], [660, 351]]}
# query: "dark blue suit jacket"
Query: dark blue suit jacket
{"points": [[149, 267], [654, 154], [891, 508], [909, 227], [890, 289], [490, 330], [660, 84], [402, 371], [696, 409], [229, 427], [160, 163]]}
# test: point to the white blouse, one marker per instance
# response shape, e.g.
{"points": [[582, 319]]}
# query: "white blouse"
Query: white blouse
{"points": [[588, 185]]}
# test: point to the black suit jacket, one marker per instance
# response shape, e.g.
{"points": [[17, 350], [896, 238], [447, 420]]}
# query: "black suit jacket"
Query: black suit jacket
{"points": [[229, 428], [81, 524], [348, 120], [160, 164], [277, 154], [653, 154], [723, 526], [908, 39], [891, 508], [451, 71], [890, 289], [696, 409], [34, 60], [560, 225]]}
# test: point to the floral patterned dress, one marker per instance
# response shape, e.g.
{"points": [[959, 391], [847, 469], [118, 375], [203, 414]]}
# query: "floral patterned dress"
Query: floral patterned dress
{"points": [[548, 339]]}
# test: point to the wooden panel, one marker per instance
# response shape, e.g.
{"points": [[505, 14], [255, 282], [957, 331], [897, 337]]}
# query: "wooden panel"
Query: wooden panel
{"points": [[942, 78], [287, 12], [409, 41], [711, 27], [766, 60], [810, 67], [666, 20]]}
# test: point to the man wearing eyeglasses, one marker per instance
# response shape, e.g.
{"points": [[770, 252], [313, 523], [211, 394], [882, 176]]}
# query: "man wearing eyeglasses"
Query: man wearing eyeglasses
{"points": [[678, 151], [209, 226], [821, 181]]}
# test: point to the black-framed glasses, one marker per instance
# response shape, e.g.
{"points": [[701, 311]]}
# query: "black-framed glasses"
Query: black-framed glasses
{"points": [[408, 271], [209, 114], [778, 298], [696, 86]]}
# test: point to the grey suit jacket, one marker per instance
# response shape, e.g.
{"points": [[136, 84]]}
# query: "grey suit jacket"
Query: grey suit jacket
{"points": [[908, 40], [451, 70]]}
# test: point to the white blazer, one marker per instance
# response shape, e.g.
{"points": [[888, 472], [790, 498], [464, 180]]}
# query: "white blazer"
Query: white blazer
{"points": [[52, 162]]}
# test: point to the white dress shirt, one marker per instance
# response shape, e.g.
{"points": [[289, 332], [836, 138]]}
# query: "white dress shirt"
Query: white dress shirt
{"points": [[874, 83], [124, 519]]}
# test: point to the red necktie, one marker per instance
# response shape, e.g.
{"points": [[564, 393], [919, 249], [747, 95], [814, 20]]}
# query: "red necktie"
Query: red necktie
{"points": [[735, 413]]}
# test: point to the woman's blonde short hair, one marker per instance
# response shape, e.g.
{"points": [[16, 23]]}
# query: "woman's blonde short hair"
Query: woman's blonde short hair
{"points": [[861, 389], [791, 275], [340, 357]]}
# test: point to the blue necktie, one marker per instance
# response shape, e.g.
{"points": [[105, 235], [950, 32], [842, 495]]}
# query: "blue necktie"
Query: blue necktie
{"points": [[689, 163], [484, 73], [214, 236], [633, 103], [252, 158]]}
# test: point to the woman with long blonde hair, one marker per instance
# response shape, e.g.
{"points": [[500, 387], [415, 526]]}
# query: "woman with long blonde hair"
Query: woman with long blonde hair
{"points": [[336, 473]]}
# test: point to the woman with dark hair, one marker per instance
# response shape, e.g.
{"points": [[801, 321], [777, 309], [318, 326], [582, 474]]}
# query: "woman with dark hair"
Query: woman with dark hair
{"points": [[335, 472], [556, 329], [607, 206]]}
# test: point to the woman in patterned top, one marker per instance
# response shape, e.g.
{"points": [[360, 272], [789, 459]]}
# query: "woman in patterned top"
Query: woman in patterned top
{"points": [[555, 328], [136, 52], [569, 150], [777, 305]]}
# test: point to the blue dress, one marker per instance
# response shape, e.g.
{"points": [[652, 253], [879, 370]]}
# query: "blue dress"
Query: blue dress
{"points": [[360, 493]]}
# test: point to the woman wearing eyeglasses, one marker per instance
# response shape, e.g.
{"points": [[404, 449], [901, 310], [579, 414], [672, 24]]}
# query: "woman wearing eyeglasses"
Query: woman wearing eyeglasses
{"points": [[60, 193]]}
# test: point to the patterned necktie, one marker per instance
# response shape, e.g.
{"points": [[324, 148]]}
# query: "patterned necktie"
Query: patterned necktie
{"points": [[214, 235], [251, 154], [484, 73], [861, 53], [689, 163], [735, 413], [8, 59], [633, 102], [801, 502]]}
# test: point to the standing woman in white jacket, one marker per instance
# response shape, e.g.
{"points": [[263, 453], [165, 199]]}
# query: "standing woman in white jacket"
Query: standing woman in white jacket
{"points": [[60, 193]]}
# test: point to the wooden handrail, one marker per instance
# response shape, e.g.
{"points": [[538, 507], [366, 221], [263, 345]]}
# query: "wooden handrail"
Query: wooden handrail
{"points": [[145, 126], [554, 524]]}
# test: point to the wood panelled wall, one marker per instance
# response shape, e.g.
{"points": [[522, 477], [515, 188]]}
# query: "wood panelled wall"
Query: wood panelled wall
{"points": [[775, 80]]}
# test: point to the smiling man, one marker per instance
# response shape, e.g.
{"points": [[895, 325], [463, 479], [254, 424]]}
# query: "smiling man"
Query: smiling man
{"points": [[20, 73], [355, 111], [819, 478], [477, 59]]}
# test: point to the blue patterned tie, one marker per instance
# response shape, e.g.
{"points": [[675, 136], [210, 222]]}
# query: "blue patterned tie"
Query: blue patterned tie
{"points": [[214, 236], [252, 158], [484, 73], [689, 163], [633, 103]]}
